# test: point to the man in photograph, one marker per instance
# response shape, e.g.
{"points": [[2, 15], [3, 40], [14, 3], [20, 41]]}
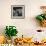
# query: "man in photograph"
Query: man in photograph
{"points": [[17, 11]]}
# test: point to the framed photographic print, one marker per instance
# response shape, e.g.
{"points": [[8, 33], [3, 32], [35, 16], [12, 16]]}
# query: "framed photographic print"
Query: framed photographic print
{"points": [[17, 11]]}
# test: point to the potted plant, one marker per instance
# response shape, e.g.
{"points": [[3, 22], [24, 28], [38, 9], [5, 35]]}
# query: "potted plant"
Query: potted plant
{"points": [[10, 31], [42, 17]]}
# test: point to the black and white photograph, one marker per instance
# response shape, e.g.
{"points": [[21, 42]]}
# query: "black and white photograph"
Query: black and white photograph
{"points": [[17, 11]]}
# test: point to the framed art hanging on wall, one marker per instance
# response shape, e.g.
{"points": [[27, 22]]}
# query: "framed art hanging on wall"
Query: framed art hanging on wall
{"points": [[17, 11]]}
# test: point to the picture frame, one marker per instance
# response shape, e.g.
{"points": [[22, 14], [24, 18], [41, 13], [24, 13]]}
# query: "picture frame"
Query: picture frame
{"points": [[17, 11]]}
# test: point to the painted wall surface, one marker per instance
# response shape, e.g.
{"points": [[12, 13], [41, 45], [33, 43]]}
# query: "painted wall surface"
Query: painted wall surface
{"points": [[27, 26]]}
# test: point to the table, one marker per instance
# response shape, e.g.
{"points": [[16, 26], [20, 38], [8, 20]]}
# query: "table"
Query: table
{"points": [[25, 44]]}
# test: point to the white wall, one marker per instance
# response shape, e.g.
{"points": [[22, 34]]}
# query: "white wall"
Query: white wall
{"points": [[25, 26]]}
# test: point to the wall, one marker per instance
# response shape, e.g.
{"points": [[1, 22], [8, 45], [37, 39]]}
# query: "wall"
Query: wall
{"points": [[25, 26]]}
